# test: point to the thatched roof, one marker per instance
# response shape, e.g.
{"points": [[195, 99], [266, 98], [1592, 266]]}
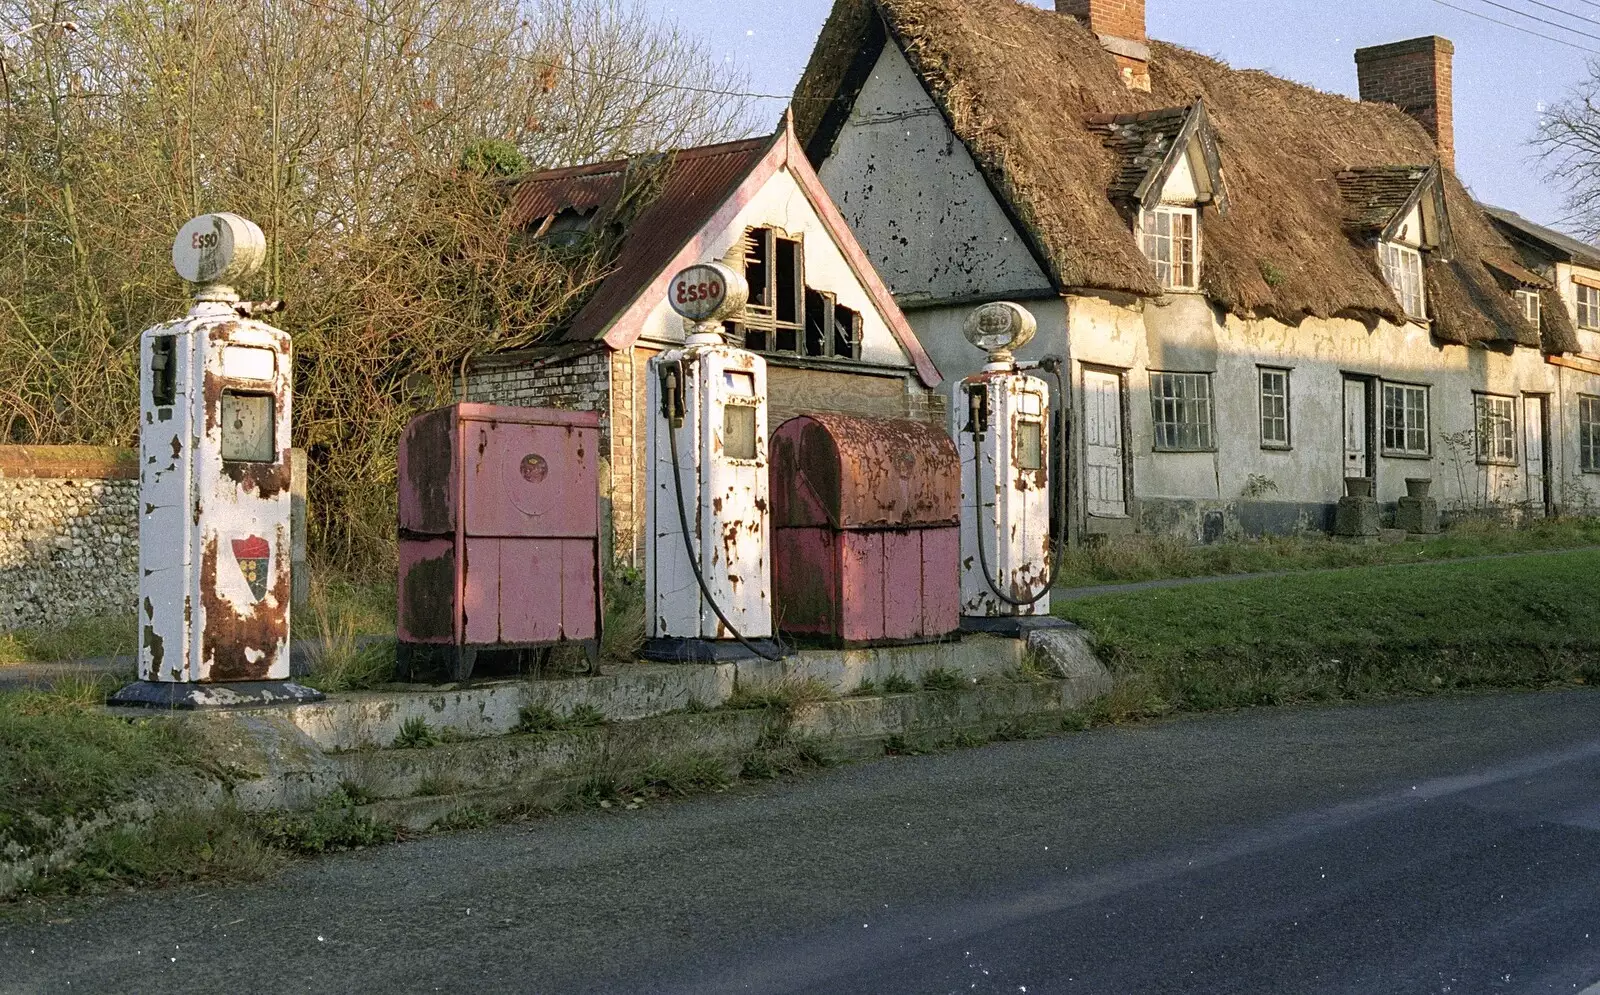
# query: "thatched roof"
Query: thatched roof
{"points": [[1021, 86]]}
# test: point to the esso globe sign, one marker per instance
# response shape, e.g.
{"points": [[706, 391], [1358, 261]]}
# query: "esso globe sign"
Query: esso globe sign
{"points": [[218, 248], [1000, 326], [708, 292]]}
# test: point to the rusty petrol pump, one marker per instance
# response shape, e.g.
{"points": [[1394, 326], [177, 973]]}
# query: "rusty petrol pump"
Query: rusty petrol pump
{"points": [[214, 416], [1001, 423], [707, 586]]}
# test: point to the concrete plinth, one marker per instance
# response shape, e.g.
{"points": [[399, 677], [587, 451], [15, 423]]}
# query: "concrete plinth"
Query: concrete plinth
{"points": [[1011, 626], [1357, 517], [1418, 516]]}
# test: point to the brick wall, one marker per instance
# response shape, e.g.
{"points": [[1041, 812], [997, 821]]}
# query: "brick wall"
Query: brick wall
{"points": [[69, 534], [1416, 76], [1120, 18]]}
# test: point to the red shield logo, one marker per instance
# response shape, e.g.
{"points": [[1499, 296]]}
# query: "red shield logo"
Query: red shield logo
{"points": [[253, 555]]}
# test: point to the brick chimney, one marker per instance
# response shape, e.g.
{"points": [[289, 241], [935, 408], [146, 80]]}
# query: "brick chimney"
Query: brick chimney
{"points": [[1415, 76], [1119, 24]]}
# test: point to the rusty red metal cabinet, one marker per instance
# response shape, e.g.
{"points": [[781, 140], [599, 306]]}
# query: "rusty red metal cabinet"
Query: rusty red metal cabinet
{"points": [[866, 530], [499, 530]]}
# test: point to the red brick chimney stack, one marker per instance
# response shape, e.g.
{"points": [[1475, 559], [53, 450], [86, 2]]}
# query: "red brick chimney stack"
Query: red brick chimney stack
{"points": [[1120, 27], [1415, 76]]}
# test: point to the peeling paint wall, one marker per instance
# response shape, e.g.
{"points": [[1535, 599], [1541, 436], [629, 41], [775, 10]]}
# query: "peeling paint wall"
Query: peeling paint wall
{"points": [[69, 534], [917, 201]]}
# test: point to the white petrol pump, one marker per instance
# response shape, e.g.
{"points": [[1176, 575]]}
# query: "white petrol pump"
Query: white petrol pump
{"points": [[214, 415], [708, 580], [1001, 422]]}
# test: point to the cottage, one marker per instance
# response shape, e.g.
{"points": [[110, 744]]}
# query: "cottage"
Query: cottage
{"points": [[1257, 289], [834, 339]]}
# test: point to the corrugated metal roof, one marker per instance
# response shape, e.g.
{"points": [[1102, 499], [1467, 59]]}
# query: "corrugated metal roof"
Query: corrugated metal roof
{"points": [[697, 182]]}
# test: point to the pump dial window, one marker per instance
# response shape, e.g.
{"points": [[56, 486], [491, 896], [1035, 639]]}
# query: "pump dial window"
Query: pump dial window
{"points": [[739, 431], [1030, 445], [247, 435]]}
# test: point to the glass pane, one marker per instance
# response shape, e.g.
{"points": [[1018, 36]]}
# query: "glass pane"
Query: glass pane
{"points": [[739, 431], [247, 428], [1030, 445]]}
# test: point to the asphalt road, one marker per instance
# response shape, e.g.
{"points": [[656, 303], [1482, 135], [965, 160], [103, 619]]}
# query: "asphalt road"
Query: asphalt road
{"points": [[1444, 846]]}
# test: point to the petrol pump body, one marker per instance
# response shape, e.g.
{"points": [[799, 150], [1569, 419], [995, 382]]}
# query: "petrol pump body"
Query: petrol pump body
{"points": [[1002, 424], [708, 417], [214, 535]]}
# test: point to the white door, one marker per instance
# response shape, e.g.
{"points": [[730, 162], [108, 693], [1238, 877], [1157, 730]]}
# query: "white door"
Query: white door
{"points": [[1355, 428], [1102, 432], [1533, 435]]}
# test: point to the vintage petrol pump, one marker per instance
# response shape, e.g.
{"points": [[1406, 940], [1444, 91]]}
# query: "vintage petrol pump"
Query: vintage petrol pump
{"points": [[707, 585], [1001, 421], [214, 416]]}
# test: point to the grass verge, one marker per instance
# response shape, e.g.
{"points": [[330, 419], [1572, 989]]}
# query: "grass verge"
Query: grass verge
{"points": [[1135, 558], [1521, 622], [84, 639]]}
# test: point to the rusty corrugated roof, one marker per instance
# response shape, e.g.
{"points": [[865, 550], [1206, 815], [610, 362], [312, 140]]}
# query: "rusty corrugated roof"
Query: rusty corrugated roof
{"points": [[696, 183]]}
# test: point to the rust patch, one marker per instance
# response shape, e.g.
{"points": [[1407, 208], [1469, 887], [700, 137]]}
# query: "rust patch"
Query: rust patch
{"points": [[853, 472], [268, 480], [429, 461], [177, 447], [229, 636], [428, 597]]}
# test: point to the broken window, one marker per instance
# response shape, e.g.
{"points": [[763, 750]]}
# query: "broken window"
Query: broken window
{"points": [[1402, 268], [784, 315]]}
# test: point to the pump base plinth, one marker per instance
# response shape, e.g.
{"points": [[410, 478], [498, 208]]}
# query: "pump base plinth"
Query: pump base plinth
{"points": [[1014, 626], [676, 649], [190, 696]]}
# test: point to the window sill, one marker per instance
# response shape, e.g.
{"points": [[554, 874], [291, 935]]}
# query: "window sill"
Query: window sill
{"points": [[1277, 447], [1181, 452], [1497, 462], [1397, 454]]}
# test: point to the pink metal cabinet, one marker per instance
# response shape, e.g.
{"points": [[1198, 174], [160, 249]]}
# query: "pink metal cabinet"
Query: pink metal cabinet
{"points": [[499, 530], [866, 530]]}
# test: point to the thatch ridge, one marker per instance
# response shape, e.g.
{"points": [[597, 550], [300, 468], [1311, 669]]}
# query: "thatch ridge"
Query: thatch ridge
{"points": [[1019, 86]]}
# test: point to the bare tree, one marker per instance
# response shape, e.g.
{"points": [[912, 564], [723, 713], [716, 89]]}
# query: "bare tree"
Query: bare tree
{"points": [[340, 126], [1568, 142]]}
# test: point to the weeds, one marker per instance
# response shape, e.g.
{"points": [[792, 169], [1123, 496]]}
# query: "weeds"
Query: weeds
{"points": [[865, 689], [940, 679], [898, 684], [338, 616], [542, 718], [332, 826], [416, 734], [785, 695], [624, 614], [83, 639], [694, 706], [466, 817]]}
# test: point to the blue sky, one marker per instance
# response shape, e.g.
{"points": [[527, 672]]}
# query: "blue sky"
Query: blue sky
{"points": [[1502, 77]]}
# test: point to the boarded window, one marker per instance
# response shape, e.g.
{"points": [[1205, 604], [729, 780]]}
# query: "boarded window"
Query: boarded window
{"points": [[1274, 408], [1405, 419], [784, 315], [1181, 405], [1497, 429]]}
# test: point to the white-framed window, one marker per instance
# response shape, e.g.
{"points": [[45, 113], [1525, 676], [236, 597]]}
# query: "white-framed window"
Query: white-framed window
{"points": [[1181, 404], [1528, 301], [1588, 306], [1402, 268], [1405, 419], [1589, 434], [1170, 239], [1497, 428], [1274, 408]]}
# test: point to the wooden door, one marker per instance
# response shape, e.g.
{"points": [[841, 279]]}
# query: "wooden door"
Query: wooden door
{"points": [[1357, 429], [1538, 474], [1105, 467]]}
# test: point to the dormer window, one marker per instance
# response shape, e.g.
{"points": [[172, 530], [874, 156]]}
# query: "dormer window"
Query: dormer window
{"points": [[1402, 268], [1170, 239], [1528, 303]]}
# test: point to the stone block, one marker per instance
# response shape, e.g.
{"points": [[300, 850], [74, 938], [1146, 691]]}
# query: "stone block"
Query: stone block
{"points": [[1418, 516], [1357, 517]]}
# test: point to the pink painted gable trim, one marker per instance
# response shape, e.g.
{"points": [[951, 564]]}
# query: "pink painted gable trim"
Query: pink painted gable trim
{"points": [[785, 152], [845, 239], [627, 326]]}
